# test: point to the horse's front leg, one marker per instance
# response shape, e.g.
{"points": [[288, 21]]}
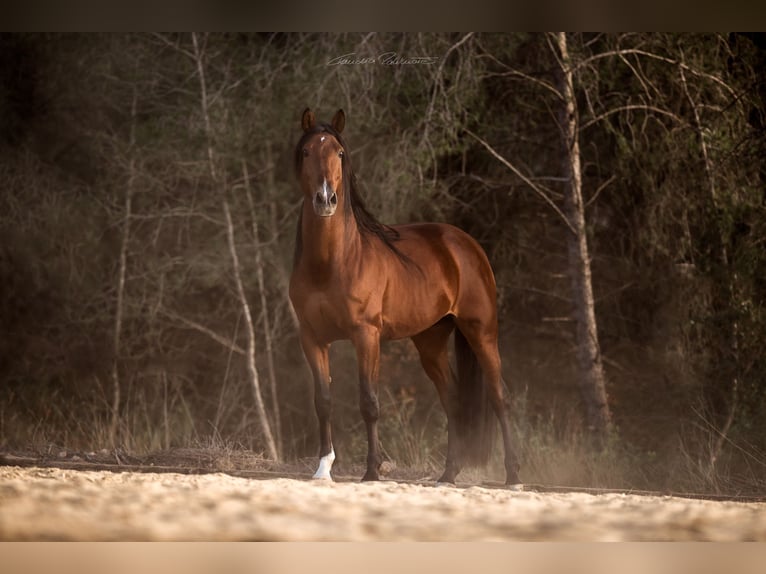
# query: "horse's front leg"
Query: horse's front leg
{"points": [[367, 345], [318, 359]]}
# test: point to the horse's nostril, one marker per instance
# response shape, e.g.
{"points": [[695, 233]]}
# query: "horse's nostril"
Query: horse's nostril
{"points": [[334, 199]]}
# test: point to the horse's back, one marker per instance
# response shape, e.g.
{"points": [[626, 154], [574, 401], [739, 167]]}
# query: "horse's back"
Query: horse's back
{"points": [[444, 271], [452, 247]]}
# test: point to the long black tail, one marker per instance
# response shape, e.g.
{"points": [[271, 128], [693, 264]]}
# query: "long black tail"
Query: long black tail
{"points": [[471, 407]]}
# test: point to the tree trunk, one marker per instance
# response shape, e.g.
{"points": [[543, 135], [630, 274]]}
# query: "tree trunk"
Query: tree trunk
{"points": [[721, 406], [267, 333], [592, 379], [119, 311], [271, 446]]}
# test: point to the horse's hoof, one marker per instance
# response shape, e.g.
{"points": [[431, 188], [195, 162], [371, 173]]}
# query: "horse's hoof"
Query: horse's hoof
{"points": [[512, 476], [325, 465], [515, 487], [447, 478], [370, 477]]}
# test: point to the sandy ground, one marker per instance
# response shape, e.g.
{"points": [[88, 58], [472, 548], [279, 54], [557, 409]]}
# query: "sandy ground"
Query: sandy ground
{"points": [[57, 504]]}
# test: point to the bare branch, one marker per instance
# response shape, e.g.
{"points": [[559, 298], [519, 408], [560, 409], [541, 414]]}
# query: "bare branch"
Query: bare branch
{"points": [[180, 212], [513, 72], [205, 104], [645, 83], [535, 187], [438, 84], [601, 188], [685, 67], [174, 45], [628, 107], [229, 344]]}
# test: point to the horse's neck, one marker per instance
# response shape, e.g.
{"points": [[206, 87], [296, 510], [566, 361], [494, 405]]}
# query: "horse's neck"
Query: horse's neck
{"points": [[330, 241]]}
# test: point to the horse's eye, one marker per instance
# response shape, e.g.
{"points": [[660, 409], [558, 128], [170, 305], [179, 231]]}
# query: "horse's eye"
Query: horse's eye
{"points": [[305, 152], [340, 154]]}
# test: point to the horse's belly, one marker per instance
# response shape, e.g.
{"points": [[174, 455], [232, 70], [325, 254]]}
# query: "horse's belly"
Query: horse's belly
{"points": [[407, 314]]}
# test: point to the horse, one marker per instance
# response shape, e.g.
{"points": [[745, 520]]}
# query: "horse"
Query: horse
{"points": [[355, 278]]}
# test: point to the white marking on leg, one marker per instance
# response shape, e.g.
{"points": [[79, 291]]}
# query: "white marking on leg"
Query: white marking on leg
{"points": [[325, 464]]}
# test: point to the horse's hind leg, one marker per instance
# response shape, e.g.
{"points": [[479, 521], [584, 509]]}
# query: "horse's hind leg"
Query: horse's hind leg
{"points": [[432, 345], [482, 337]]}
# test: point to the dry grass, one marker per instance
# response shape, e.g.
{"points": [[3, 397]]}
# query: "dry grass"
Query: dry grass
{"points": [[554, 451]]}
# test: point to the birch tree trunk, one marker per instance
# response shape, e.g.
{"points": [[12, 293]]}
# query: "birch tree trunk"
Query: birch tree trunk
{"points": [[119, 311], [267, 332], [592, 379], [260, 408], [268, 436]]}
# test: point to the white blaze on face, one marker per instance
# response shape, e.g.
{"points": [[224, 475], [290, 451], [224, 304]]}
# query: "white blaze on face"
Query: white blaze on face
{"points": [[326, 191], [325, 464]]}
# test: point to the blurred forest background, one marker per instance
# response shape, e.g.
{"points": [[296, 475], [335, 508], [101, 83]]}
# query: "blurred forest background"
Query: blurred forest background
{"points": [[145, 178]]}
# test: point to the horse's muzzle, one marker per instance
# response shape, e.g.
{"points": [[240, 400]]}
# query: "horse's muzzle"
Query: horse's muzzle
{"points": [[325, 201]]}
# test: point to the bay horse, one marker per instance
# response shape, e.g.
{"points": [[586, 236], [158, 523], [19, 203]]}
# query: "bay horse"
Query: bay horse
{"points": [[357, 279]]}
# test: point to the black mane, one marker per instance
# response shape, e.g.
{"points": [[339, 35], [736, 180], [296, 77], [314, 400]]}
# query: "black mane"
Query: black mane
{"points": [[366, 223]]}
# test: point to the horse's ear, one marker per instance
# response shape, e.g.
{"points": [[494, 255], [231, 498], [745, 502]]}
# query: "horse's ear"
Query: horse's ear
{"points": [[339, 121], [308, 121]]}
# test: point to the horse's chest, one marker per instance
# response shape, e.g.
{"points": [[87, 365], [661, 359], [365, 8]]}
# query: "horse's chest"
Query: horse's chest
{"points": [[330, 316], [320, 311]]}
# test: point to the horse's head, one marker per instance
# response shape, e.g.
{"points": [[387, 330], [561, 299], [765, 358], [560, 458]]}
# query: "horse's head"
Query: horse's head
{"points": [[319, 161]]}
